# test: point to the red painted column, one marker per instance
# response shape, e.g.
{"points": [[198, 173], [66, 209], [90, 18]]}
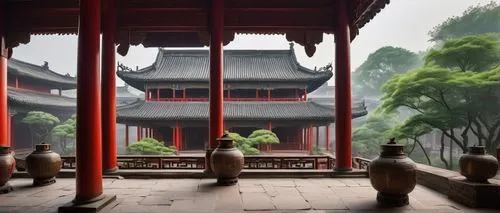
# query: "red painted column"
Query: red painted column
{"points": [[270, 128], [88, 110], [305, 94], [310, 134], [216, 120], [126, 136], [158, 94], [108, 101], [4, 113], [268, 94], [343, 112], [327, 137], [174, 143], [17, 83]]}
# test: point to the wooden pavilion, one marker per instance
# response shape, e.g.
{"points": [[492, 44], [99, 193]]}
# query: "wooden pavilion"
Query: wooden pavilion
{"points": [[179, 23], [263, 89]]}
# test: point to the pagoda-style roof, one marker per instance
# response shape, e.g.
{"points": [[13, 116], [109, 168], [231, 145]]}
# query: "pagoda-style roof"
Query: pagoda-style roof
{"points": [[40, 74], [255, 67], [233, 111], [27, 100]]}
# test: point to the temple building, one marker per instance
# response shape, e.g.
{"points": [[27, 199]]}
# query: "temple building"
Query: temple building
{"points": [[263, 89], [35, 88]]}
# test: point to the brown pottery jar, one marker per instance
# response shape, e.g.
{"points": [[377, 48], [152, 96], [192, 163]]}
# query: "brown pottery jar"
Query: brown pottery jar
{"points": [[7, 165], [477, 166], [393, 175], [226, 161], [43, 165]]}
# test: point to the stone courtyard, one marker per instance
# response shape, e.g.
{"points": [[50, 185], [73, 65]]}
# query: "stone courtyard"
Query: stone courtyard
{"points": [[201, 195]]}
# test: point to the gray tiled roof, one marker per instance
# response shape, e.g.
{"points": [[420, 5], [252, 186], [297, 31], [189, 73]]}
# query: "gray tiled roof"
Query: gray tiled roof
{"points": [[40, 73], [36, 99], [239, 66], [184, 111]]}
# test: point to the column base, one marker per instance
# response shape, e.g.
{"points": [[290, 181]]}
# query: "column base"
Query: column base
{"points": [[393, 200], [208, 166], [342, 169], [6, 188], [101, 203], [44, 182], [227, 181], [112, 171]]}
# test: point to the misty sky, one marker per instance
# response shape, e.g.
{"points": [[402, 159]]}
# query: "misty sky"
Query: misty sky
{"points": [[403, 23]]}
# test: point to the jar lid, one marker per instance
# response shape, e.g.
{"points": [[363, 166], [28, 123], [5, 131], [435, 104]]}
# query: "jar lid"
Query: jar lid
{"points": [[225, 137], [392, 150], [477, 150], [43, 147]]}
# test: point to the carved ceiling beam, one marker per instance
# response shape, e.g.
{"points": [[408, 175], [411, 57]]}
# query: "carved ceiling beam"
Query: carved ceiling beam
{"points": [[308, 39]]}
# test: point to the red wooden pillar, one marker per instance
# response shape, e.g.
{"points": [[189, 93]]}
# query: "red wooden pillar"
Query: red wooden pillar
{"points": [[216, 121], [17, 83], [88, 123], [257, 93], [4, 140], [126, 136], [158, 94], [174, 142], [310, 135], [268, 94], [181, 139], [343, 112], [108, 101], [327, 137], [270, 128]]}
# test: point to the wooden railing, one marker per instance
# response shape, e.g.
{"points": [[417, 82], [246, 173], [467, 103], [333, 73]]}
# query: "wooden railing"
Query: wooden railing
{"points": [[311, 162], [261, 99], [360, 163]]}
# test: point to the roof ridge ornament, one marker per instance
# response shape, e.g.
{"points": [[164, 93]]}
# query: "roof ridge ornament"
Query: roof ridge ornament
{"points": [[45, 65], [327, 67], [122, 68]]}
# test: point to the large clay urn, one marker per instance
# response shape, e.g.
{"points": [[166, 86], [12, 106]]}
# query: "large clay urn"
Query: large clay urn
{"points": [[477, 166], [7, 165], [393, 175], [226, 161], [43, 165]]}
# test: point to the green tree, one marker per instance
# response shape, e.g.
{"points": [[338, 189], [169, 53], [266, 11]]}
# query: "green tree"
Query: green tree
{"points": [[66, 130], [40, 125], [448, 101], [475, 20], [243, 144], [470, 53], [150, 146], [411, 131], [380, 66], [367, 138], [263, 136]]}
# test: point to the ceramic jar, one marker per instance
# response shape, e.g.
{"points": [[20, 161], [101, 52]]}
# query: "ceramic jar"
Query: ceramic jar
{"points": [[7, 165], [393, 175], [226, 161], [477, 166], [43, 165]]}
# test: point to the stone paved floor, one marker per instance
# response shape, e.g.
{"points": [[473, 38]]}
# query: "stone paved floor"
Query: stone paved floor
{"points": [[201, 195]]}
